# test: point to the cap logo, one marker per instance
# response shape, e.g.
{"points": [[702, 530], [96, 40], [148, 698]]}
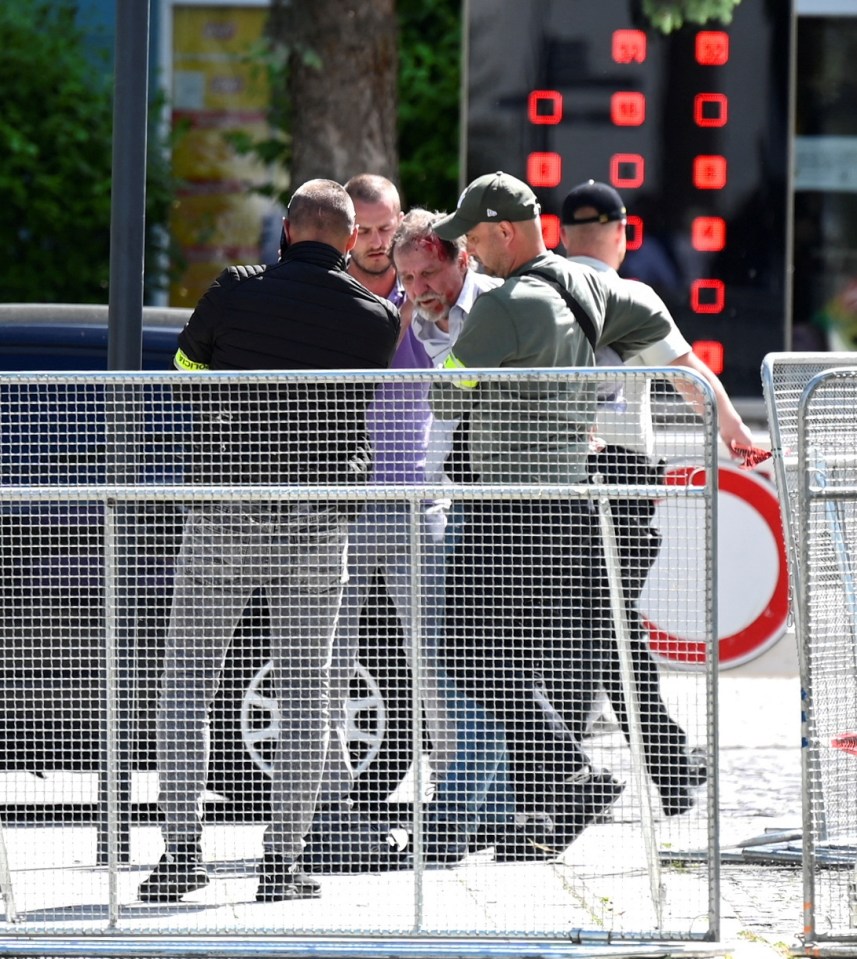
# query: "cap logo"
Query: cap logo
{"points": [[490, 212]]}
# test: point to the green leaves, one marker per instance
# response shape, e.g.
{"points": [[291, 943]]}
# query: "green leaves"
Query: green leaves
{"points": [[670, 15], [55, 156]]}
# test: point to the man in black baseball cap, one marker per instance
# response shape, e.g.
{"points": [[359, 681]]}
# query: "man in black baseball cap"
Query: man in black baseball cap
{"points": [[592, 202]]}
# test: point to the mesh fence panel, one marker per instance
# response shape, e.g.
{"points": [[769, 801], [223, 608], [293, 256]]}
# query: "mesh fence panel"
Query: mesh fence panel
{"points": [[828, 536], [198, 582]]}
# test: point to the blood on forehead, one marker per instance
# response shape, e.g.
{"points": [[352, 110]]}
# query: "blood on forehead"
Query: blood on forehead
{"points": [[434, 245]]}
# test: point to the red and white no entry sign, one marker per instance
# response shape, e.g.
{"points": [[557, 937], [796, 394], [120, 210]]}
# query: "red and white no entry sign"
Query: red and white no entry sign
{"points": [[752, 573]]}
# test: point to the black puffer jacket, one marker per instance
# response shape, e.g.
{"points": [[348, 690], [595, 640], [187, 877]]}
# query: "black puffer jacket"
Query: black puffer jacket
{"points": [[304, 313]]}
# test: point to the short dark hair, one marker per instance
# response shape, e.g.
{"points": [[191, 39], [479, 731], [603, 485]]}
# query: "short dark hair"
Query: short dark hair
{"points": [[417, 229], [372, 188], [322, 207]]}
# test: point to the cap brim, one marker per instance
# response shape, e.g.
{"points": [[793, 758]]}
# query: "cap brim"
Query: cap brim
{"points": [[452, 227]]}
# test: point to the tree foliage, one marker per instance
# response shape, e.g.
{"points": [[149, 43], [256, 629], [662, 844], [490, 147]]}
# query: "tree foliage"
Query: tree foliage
{"points": [[429, 95], [669, 15], [55, 157], [310, 138]]}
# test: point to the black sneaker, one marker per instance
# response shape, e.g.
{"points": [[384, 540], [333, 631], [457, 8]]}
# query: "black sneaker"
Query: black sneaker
{"points": [[578, 803], [678, 796], [697, 767], [180, 871], [530, 841], [280, 881]]}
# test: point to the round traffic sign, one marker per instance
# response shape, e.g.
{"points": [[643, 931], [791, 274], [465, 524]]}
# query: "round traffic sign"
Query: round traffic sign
{"points": [[752, 572]]}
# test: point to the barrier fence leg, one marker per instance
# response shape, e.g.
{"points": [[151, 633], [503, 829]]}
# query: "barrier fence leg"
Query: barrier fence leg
{"points": [[6, 881], [632, 703]]}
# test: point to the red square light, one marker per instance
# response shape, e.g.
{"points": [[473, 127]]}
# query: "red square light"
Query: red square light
{"points": [[708, 233], [635, 233], [550, 230], [629, 46], [712, 48], [710, 109], [709, 172], [627, 170], [707, 296], [628, 109], [544, 107], [711, 353], [544, 169]]}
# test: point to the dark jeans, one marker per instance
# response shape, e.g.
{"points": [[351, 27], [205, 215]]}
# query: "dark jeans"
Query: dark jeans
{"points": [[523, 585]]}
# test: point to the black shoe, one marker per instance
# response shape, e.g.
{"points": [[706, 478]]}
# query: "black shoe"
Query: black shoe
{"points": [[444, 843], [178, 872], [697, 768], [280, 880], [526, 842], [677, 795], [578, 803], [676, 800]]}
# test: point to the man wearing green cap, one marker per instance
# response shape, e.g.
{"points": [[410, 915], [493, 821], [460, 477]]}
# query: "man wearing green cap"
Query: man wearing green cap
{"points": [[526, 585]]}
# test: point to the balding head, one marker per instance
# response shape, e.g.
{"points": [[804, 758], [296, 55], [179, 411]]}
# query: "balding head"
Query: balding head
{"points": [[321, 210]]}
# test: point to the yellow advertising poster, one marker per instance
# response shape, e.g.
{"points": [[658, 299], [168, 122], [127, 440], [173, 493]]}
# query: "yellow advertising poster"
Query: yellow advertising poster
{"points": [[217, 219]]}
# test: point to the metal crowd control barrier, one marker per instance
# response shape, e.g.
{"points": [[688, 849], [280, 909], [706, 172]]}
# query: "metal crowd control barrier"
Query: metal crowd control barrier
{"points": [[170, 550], [784, 377], [827, 509], [818, 548]]}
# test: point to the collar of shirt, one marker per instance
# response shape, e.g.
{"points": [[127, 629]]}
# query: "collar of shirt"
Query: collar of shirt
{"points": [[591, 261]]}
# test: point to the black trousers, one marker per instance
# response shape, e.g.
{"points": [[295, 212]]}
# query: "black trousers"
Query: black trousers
{"points": [[664, 741], [520, 602]]}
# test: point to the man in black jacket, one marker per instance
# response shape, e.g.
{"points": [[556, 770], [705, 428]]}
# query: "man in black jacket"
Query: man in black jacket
{"points": [[304, 313]]}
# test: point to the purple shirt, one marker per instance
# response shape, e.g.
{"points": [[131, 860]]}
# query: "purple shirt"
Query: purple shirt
{"points": [[399, 419]]}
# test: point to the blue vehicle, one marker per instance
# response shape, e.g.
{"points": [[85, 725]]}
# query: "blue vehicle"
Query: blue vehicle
{"points": [[52, 609]]}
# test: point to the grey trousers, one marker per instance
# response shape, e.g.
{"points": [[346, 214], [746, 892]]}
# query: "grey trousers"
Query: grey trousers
{"points": [[296, 554]]}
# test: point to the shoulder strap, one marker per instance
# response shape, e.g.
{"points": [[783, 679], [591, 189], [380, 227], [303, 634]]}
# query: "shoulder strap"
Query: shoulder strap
{"points": [[583, 319]]}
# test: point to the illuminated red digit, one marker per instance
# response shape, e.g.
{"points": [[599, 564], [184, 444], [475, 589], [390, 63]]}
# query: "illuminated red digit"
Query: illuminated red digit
{"points": [[544, 169], [628, 109], [709, 172], [711, 353], [550, 230], [544, 107], [710, 109], [708, 233], [629, 46], [627, 170], [707, 296], [635, 233], [712, 48]]}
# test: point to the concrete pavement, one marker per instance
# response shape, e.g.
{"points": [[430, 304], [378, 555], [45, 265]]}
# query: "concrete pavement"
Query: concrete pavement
{"points": [[759, 727]]}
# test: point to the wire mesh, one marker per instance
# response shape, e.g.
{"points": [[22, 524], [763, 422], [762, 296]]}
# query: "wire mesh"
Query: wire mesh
{"points": [[258, 675], [828, 512]]}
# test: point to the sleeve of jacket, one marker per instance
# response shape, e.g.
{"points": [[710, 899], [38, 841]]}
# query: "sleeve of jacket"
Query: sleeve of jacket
{"points": [[635, 317], [196, 340]]}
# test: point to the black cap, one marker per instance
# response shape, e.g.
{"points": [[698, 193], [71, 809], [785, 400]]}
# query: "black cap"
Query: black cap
{"points": [[600, 197]]}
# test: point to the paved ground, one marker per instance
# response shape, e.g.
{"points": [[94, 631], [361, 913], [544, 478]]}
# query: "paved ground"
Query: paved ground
{"points": [[761, 903]]}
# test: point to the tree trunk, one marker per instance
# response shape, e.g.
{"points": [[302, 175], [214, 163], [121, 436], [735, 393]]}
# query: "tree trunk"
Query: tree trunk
{"points": [[342, 86]]}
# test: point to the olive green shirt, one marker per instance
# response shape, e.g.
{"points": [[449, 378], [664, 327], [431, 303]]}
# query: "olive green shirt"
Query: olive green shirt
{"points": [[525, 431]]}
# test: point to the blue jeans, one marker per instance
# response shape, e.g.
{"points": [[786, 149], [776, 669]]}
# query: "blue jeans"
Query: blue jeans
{"points": [[476, 791]]}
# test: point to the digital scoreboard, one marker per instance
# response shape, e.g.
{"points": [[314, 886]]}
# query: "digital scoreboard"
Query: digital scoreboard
{"points": [[692, 128]]}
